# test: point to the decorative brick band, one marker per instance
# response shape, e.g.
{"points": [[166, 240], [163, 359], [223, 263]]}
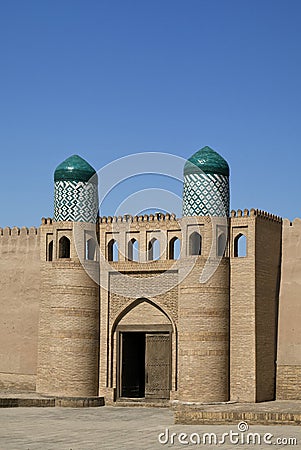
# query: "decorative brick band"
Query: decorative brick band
{"points": [[205, 336], [195, 417], [222, 312], [75, 312], [198, 352]]}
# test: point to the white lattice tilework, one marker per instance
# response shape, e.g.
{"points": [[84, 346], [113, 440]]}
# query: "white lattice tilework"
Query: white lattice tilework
{"points": [[75, 201], [206, 195]]}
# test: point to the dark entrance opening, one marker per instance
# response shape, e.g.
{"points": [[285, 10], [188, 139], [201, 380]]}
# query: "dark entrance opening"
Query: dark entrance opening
{"points": [[145, 363], [133, 365]]}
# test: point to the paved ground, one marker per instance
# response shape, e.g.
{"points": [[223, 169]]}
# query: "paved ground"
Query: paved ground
{"points": [[115, 428]]}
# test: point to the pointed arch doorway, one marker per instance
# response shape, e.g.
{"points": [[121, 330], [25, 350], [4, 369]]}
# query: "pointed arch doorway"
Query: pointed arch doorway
{"points": [[144, 363], [144, 354]]}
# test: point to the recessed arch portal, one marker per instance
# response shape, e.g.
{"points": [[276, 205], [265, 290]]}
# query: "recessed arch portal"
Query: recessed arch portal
{"points": [[143, 332], [133, 304]]}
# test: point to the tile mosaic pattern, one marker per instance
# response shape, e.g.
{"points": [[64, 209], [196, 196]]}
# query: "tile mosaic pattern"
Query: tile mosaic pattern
{"points": [[75, 201], [206, 195]]}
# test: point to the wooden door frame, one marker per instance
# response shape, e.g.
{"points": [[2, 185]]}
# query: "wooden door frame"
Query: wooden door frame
{"points": [[150, 364], [147, 329]]}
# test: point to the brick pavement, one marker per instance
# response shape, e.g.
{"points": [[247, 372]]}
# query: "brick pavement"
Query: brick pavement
{"points": [[109, 428]]}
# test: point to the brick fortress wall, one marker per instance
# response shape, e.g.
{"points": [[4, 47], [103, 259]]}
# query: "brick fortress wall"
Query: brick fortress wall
{"points": [[70, 303], [289, 331], [254, 305], [19, 305]]}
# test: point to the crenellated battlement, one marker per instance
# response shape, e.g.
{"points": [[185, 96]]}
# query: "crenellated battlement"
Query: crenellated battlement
{"points": [[268, 216], [161, 217], [243, 213], [127, 218], [296, 223], [16, 231], [256, 213], [46, 221]]}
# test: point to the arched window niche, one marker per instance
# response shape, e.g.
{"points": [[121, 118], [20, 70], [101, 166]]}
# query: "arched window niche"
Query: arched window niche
{"points": [[133, 250], [91, 249], [240, 246], [195, 244], [64, 247], [221, 244], [50, 251], [174, 248], [153, 250], [113, 250]]}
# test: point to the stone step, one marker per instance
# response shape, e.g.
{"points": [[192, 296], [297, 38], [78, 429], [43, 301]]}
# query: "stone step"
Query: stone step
{"points": [[142, 403], [71, 402]]}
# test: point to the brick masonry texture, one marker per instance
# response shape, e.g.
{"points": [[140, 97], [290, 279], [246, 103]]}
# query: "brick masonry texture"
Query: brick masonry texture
{"points": [[289, 330], [60, 329], [288, 382], [19, 306]]}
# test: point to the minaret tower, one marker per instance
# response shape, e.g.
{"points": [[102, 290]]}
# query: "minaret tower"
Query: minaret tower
{"points": [[75, 191], [204, 292], [69, 314], [206, 185]]}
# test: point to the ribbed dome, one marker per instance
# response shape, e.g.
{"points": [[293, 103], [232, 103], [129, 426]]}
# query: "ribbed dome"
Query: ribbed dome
{"points": [[209, 161], [75, 168]]}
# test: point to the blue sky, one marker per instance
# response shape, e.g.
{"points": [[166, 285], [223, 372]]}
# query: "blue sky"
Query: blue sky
{"points": [[105, 79]]}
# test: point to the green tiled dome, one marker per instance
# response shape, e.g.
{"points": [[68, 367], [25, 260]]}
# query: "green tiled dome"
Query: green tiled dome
{"points": [[74, 168], [209, 161]]}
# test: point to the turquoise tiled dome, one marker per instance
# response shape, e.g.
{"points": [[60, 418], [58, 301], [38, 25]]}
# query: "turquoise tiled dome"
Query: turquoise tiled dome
{"points": [[209, 161], [75, 191], [206, 185], [75, 168]]}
